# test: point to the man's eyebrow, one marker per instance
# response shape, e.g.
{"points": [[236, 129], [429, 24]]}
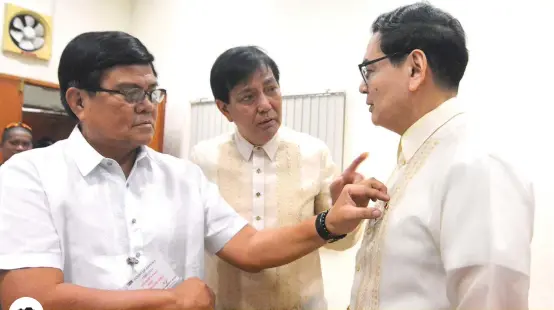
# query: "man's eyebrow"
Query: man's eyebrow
{"points": [[135, 85], [270, 79], [244, 90]]}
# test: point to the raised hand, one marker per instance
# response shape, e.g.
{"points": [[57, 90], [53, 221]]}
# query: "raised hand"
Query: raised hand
{"points": [[351, 206], [348, 176]]}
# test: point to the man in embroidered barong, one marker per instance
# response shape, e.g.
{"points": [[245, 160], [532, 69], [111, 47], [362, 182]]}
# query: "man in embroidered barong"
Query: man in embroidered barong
{"points": [[273, 176], [456, 232]]}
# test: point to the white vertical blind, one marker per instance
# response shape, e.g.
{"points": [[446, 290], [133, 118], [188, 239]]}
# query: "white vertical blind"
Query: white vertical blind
{"points": [[319, 115]]}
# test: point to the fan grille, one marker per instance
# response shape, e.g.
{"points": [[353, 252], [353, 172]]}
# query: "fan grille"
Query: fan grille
{"points": [[27, 32]]}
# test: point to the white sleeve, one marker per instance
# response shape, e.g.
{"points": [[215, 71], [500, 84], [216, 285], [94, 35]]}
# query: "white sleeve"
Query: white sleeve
{"points": [[27, 234], [486, 232], [222, 222]]}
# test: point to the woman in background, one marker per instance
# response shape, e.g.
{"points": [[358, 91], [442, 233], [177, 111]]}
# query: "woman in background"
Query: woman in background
{"points": [[16, 138]]}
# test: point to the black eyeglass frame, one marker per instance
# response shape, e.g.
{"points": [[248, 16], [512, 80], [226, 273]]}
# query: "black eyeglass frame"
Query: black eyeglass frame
{"points": [[365, 63], [127, 96]]}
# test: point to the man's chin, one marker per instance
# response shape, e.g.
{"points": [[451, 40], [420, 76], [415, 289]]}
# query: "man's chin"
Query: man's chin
{"points": [[267, 136], [375, 119], [272, 131], [143, 139]]}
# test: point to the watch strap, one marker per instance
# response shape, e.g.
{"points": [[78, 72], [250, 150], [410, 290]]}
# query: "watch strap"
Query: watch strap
{"points": [[322, 228]]}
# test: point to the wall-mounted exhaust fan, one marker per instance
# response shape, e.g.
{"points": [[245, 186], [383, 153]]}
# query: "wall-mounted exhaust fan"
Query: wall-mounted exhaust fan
{"points": [[26, 32]]}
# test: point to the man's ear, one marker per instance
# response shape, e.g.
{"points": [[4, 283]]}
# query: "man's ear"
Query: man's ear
{"points": [[74, 98], [224, 109], [418, 68]]}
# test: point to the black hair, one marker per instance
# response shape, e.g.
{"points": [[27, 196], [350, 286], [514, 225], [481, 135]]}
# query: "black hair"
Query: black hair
{"points": [[235, 66], [437, 33], [43, 142], [87, 56], [7, 132]]}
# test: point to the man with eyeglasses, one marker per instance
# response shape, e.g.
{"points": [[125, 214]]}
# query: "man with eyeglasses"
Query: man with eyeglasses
{"points": [[456, 232], [100, 221]]}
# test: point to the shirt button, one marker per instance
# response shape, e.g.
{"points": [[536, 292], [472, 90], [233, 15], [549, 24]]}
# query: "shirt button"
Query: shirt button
{"points": [[132, 261], [258, 194], [138, 255], [133, 221], [258, 218], [357, 267], [258, 170]]}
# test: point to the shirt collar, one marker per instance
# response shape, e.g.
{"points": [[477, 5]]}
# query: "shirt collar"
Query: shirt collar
{"points": [[245, 148], [421, 130], [86, 157]]}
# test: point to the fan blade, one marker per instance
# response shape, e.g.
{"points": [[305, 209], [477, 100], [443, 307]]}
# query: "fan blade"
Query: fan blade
{"points": [[18, 23], [29, 20], [39, 30], [26, 45], [16, 35], [38, 43]]}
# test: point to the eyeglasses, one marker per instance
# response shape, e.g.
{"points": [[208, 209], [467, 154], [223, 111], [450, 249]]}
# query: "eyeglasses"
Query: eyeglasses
{"points": [[363, 66], [19, 124], [137, 95]]}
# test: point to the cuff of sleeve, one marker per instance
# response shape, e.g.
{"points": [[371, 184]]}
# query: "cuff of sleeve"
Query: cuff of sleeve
{"points": [[11, 262], [218, 241]]}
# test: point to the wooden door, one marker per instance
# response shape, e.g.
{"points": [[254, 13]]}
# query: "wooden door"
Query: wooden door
{"points": [[157, 142], [11, 101]]}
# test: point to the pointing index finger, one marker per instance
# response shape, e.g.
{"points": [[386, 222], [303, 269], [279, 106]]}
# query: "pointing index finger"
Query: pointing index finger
{"points": [[356, 163]]}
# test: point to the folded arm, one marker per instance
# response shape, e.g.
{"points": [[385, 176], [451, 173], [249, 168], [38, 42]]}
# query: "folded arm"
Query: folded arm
{"points": [[48, 288]]}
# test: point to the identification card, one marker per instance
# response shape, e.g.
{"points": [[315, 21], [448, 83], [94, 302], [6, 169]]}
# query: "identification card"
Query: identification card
{"points": [[156, 275]]}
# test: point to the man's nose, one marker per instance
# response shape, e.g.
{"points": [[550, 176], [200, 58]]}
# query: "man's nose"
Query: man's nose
{"points": [[264, 105], [145, 106], [363, 87]]}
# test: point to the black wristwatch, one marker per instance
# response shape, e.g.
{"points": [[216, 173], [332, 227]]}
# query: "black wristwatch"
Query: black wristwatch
{"points": [[322, 228]]}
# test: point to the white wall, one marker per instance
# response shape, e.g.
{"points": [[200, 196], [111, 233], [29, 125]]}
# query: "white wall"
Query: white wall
{"points": [[318, 43], [69, 18], [316, 50]]}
